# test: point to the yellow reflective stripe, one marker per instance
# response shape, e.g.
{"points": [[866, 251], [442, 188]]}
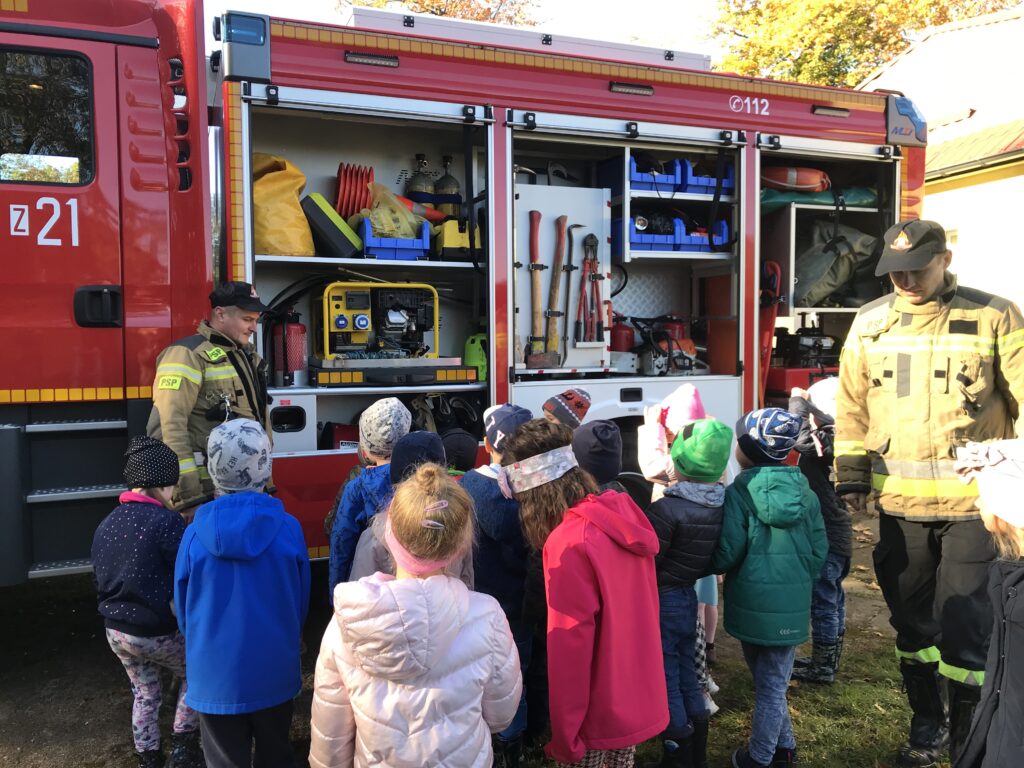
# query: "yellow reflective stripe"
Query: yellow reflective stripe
{"points": [[961, 675], [929, 655], [189, 373], [848, 448], [220, 372], [981, 345], [1011, 341], [186, 465], [203, 474], [942, 488]]}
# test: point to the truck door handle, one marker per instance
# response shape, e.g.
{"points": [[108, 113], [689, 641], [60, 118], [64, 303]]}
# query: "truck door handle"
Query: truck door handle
{"points": [[99, 306]]}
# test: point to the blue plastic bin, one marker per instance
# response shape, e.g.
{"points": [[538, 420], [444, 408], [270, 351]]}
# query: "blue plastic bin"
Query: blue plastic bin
{"points": [[395, 248], [639, 241], [699, 243], [691, 182], [609, 174]]}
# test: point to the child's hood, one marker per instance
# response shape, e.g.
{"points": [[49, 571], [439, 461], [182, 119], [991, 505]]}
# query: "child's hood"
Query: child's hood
{"points": [[239, 526], [777, 495], [621, 520], [400, 629], [377, 484]]}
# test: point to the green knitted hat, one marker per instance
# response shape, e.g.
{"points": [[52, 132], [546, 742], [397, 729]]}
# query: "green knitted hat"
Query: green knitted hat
{"points": [[701, 450]]}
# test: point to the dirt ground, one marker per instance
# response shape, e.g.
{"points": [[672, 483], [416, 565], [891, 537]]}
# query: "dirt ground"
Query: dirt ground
{"points": [[65, 700]]}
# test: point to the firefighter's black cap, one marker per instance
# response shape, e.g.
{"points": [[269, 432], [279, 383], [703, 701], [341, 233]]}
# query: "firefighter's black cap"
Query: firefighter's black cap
{"points": [[237, 294], [910, 245]]}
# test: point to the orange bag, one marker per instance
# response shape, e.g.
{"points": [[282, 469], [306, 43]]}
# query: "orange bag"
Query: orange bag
{"points": [[795, 179]]}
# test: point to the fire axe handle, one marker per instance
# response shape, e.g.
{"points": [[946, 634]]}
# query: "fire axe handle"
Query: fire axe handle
{"points": [[551, 337], [536, 307]]}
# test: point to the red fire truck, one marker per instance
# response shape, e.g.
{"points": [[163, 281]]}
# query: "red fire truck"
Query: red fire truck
{"points": [[616, 218]]}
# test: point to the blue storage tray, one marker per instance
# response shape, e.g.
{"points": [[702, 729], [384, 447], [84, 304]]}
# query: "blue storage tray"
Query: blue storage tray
{"points": [[690, 182], [395, 248], [699, 243], [609, 174], [638, 241]]}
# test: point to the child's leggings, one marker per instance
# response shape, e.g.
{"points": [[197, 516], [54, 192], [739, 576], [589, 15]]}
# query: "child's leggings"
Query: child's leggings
{"points": [[605, 758], [142, 658]]}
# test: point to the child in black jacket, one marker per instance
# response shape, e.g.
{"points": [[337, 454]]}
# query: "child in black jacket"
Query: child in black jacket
{"points": [[687, 520], [133, 553]]}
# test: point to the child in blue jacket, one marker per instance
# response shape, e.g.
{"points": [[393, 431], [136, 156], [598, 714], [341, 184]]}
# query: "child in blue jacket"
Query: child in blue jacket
{"points": [[771, 550], [241, 587], [380, 427]]}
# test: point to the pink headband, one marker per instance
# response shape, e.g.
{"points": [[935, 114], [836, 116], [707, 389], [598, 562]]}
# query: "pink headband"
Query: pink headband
{"points": [[535, 471], [405, 559]]}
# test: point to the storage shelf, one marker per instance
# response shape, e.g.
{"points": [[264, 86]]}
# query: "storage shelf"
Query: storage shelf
{"points": [[823, 207], [382, 390], [391, 264], [650, 194], [823, 310], [678, 255]]}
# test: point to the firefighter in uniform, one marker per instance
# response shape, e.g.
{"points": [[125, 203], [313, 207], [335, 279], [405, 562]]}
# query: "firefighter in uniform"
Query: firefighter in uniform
{"points": [[924, 370], [205, 379]]}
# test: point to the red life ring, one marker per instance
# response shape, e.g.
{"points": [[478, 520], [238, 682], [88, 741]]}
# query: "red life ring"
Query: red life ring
{"points": [[795, 179]]}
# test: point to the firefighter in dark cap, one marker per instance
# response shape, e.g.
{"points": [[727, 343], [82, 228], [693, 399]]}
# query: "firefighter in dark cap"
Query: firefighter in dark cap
{"points": [[206, 379], [926, 369]]}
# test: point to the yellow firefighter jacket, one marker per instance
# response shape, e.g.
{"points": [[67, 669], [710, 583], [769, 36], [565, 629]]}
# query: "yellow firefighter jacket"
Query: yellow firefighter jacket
{"points": [[197, 378], [915, 382]]}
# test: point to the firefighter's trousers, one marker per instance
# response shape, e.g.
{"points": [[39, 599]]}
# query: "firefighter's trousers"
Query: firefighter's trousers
{"points": [[934, 577]]}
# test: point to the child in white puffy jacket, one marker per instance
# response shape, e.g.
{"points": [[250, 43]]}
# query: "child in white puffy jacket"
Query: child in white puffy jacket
{"points": [[415, 669]]}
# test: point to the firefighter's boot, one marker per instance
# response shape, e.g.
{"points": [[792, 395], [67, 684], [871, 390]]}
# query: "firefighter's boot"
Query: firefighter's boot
{"points": [[928, 734], [186, 751], [151, 758], [822, 669], [963, 699]]}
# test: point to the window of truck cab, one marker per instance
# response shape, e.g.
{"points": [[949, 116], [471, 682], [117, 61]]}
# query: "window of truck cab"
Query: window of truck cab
{"points": [[46, 118]]}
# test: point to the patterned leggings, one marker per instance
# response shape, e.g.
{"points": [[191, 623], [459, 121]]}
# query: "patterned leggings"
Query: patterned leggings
{"points": [[604, 758], [700, 659], [142, 658]]}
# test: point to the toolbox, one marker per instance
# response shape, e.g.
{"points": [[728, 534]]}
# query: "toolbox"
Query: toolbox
{"points": [[331, 235], [451, 243]]}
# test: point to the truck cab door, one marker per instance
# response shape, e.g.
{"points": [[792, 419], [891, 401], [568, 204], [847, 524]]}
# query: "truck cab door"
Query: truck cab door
{"points": [[61, 316]]}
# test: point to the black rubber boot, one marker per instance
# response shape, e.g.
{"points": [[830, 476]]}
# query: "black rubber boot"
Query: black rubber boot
{"points": [[783, 758], [675, 753], [840, 638], [186, 751], [963, 699], [507, 753], [822, 669], [151, 758], [741, 759], [700, 743], [928, 734]]}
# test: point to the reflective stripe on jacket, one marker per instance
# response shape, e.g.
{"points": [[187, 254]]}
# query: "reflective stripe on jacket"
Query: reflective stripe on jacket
{"points": [[916, 381], [195, 378]]}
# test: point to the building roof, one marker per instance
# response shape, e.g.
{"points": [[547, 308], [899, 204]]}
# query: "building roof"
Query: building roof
{"points": [[986, 147]]}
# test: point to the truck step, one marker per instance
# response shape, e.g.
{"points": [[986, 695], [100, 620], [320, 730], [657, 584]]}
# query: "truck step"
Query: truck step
{"points": [[77, 493], [60, 568], [77, 425]]}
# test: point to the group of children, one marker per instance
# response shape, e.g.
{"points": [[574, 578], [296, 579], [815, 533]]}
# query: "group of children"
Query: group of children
{"points": [[474, 608]]}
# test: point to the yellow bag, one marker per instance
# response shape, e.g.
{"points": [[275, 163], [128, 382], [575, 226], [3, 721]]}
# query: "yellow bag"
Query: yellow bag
{"points": [[279, 225]]}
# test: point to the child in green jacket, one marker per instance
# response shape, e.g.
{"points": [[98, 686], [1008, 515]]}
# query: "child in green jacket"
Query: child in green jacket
{"points": [[771, 550]]}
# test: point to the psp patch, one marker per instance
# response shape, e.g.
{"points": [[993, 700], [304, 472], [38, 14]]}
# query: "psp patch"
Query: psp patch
{"points": [[215, 353], [168, 382]]}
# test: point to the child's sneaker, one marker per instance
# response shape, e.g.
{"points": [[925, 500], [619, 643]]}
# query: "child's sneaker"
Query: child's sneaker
{"points": [[784, 758], [741, 759], [710, 704], [712, 686]]}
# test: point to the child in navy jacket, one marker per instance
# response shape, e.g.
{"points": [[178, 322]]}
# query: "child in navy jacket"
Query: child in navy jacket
{"points": [[133, 554]]}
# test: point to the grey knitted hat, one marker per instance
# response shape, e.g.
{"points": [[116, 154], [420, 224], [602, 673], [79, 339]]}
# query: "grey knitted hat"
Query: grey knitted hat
{"points": [[238, 456], [382, 425]]}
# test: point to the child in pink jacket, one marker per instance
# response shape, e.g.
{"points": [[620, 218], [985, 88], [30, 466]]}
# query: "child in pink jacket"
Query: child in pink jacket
{"points": [[605, 670], [415, 669]]}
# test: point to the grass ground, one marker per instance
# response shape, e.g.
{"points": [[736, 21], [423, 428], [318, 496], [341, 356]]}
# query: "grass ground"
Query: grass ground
{"points": [[857, 723]]}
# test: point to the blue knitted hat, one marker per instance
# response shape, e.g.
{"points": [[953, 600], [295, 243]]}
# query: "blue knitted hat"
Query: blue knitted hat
{"points": [[767, 435]]}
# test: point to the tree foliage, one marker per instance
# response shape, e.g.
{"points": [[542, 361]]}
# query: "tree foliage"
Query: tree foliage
{"points": [[499, 11], [829, 42]]}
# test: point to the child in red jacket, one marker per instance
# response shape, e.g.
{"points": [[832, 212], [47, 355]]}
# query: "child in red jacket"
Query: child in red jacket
{"points": [[602, 594]]}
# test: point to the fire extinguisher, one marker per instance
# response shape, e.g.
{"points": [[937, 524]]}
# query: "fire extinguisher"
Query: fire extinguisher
{"points": [[623, 339], [289, 339]]}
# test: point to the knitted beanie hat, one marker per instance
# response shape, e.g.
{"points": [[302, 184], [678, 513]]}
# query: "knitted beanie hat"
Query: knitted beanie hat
{"points": [[238, 456], [149, 463], [701, 450], [598, 449], [414, 449], [681, 407], [570, 407], [768, 435], [382, 424], [460, 448]]}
